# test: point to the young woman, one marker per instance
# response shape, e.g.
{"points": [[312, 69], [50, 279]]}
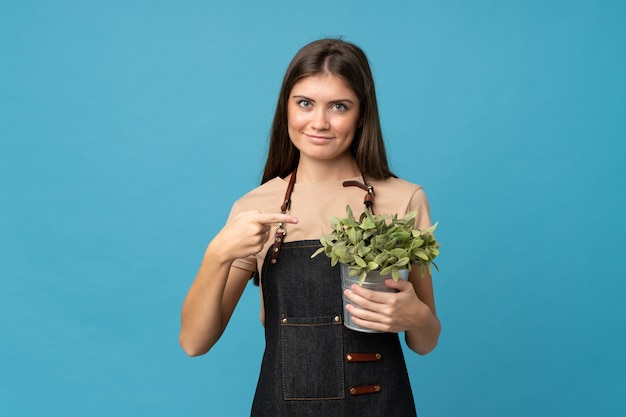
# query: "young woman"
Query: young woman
{"points": [[326, 148]]}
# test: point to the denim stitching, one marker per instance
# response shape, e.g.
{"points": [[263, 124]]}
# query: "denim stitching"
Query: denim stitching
{"points": [[340, 343]]}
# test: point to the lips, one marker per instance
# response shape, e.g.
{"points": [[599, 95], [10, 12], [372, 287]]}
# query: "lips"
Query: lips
{"points": [[318, 139]]}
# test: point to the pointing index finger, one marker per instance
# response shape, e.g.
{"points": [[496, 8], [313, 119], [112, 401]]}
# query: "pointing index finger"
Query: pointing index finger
{"points": [[269, 218]]}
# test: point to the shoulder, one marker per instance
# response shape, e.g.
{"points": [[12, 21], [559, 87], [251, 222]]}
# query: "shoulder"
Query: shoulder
{"points": [[399, 189], [397, 184], [396, 195], [266, 197]]}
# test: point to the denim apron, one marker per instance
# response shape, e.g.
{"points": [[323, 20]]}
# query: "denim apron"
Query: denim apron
{"points": [[313, 365]]}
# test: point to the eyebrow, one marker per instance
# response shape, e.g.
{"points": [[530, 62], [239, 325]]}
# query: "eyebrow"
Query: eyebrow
{"points": [[341, 100]]}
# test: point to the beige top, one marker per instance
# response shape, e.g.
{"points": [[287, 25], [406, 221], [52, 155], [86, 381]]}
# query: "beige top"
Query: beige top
{"points": [[314, 203]]}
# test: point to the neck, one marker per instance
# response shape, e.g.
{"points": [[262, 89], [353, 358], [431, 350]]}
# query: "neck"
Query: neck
{"points": [[325, 171]]}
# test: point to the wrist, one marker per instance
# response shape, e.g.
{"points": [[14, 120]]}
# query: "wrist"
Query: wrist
{"points": [[216, 253]]}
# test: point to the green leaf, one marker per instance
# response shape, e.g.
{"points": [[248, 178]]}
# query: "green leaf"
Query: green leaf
{"points": [[402, 262], [402, 235], [363, 250], [381, 258], [386, 271], [422, 255], [391, 243], [360, 262], [395, 274], [350, 223], [430, 230], [368, 224], [349, 212], [410, 217], [352, 236], [398, 252], [347, 258], [354, 271], [341, 252], [372, 266], [362, 277], [417, 242]]}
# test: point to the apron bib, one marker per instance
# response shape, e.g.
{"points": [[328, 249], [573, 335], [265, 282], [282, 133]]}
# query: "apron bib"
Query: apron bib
{"points": [[312, 364]]}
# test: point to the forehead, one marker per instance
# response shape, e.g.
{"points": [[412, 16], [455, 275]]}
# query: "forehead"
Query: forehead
{"points": [[325, 84]]}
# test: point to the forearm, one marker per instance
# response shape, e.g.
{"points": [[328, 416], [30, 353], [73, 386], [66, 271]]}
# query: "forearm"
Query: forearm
{"points": [[201, 320], [217, 288], [423, 339]]}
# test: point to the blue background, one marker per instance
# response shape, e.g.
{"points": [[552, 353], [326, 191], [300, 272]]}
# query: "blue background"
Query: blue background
{"points": [[128, 128]]}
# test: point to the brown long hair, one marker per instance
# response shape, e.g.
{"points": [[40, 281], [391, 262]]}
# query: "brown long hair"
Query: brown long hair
{"points": [[348, 61]]}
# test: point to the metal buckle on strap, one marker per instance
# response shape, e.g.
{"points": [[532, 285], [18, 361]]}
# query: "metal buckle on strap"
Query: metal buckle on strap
{"points": [[368, 200]]}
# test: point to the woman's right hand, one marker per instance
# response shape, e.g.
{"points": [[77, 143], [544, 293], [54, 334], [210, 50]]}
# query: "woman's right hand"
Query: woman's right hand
{"points": [[246, 234], [217, 288]]}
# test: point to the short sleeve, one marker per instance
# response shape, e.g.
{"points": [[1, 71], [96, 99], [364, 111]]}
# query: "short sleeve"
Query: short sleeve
{"points": [[419, 203]]}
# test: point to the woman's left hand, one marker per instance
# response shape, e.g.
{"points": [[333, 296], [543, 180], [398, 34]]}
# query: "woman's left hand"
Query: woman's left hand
{"points": [[386, 311]]}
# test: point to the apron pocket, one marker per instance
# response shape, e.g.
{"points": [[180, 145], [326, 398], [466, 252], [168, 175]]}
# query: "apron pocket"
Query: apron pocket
{"points": [[312, 358]]}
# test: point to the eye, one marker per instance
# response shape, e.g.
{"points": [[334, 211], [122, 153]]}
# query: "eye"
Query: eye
{"points": [[339, 107], [305, 104]]}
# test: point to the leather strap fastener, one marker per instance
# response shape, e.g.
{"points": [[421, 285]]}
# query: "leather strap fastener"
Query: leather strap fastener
{"points": [[365, 389], [368, 200], [363, 357], [279, 236]]}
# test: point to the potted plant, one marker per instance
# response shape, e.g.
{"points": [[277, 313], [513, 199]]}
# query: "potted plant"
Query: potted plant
{"points": [[376, 247]]}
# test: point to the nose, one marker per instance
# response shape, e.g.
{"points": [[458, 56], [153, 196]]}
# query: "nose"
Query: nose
{"points": [[320, 119]]}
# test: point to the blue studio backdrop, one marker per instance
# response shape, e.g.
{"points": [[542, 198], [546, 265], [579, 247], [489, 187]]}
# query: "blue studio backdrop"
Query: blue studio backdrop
{"points": [[128, 128]]}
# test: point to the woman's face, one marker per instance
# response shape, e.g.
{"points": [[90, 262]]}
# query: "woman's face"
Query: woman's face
{"points": [[322, 117]]}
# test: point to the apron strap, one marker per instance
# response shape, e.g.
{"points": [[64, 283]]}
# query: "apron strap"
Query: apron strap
{"points": [[279, 235], [281, 232], [368, 200]]}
